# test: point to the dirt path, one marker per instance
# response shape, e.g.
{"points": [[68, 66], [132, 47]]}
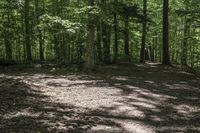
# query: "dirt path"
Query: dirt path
{"points": [[115, 99]]}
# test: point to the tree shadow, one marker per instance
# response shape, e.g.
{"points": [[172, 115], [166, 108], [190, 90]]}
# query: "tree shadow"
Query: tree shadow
{"points": [[26, 110], [153, 99], [168, 99]]}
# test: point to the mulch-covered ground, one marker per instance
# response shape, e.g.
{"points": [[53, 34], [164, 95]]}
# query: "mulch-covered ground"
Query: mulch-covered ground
{"points": [[113, 99]]}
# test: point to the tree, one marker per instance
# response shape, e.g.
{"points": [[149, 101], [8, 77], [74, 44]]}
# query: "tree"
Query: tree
{"points": [[185, 43], [128, 11], [7, 31], [27, 31], [89, 58], [166, 58], [41, 31], [64, 31], [142, 51], [116, 35], [126, 36]]}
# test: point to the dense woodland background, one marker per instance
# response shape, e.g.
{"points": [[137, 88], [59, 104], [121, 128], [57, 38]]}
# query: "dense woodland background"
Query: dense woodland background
{"points": [[100, 31]]}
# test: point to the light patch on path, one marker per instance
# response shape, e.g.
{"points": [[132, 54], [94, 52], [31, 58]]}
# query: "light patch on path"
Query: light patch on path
{"points": [[131, 111], [87, 94]]}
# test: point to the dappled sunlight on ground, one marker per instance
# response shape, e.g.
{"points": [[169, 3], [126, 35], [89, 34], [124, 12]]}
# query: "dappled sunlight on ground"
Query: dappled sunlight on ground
{"points": [[78, 92], [115, 100]]}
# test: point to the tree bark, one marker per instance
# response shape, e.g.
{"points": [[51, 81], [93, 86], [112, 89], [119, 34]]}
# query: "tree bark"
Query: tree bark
{"points": [[99, 40], [116, 37], [126, 34], [41, 44], [7, 39], [143, 45], [89, 58], [185, 41], [106, 43], [27, 31], [166, 57]]}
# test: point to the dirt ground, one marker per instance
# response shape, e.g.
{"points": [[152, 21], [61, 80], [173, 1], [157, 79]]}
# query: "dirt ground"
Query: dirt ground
{"points": [[114, 99]]}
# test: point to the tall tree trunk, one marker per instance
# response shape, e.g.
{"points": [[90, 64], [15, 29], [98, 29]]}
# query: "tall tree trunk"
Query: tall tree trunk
{"points": [[7, 39], [109, 43], [166, 57], [56, 47], [41, 32], [184, 47], [143, 45], [8, 47], [106, 43], [27, 31], [116, 36], [55, 12], [89, 57], [79, 47], [41, 46], [99, 39], [156, 47], [153, 50], [126, 34]]}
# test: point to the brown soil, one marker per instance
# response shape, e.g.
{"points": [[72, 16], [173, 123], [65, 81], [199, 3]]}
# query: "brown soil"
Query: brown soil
{"points": [[115, 99]]}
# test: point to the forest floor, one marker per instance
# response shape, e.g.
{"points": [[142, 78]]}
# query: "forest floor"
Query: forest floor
{"points": [[114, 99]]}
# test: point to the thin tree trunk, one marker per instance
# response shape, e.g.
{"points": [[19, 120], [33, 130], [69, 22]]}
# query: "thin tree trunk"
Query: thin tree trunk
{"points": [[7, 39], [143, 45], [184, 47], [8, 47], [99, 47], [89, 58], [41, 45], [27, 31], [106, 43], [126, 34], [116, 37]]}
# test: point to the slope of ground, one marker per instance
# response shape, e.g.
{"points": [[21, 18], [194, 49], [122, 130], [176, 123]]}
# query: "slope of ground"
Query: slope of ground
{"points": [[114, 99]]}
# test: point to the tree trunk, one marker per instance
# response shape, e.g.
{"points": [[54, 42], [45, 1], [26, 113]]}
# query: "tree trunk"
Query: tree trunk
{"points": [[166, 57], [126, 34], [106, 43], [7, 39], [99, 47], [41, 45], [27, 31], [8, 47], [116, 37], [41, 32], [89, 58], [142, 52], [184, 47]]}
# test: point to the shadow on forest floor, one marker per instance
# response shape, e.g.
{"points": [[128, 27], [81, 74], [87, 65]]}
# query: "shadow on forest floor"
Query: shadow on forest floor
{"points": [[114, 99], [25, 110]]}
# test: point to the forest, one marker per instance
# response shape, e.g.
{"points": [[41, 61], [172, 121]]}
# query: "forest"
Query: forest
{"points": [[96, 32], [99, 66]]}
